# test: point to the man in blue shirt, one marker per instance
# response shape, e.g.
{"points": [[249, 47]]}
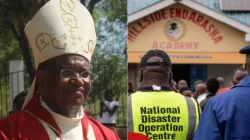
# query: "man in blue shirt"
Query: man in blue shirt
{"points": [[226, 116]]}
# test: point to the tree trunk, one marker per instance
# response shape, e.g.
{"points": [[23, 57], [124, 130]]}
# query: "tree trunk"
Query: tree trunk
{"points": [[24, 45]]}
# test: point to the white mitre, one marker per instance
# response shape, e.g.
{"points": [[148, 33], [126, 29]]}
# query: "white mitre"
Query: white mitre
{"points": [[60, 27]]}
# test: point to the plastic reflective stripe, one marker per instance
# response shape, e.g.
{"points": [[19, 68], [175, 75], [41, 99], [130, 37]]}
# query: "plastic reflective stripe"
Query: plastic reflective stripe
{"points": [[130, 115], [191, 117]]}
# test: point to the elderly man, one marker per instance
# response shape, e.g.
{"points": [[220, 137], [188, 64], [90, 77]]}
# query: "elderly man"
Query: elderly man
{"points": [[156, 111], [62, 37], [226, 116]]}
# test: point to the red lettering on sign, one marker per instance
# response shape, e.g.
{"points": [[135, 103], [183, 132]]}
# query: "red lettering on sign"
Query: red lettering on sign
{"points": [[204, 24], [164, 14], [185, 14], [214, 33], [142, 26], [178, 12], [171, 12], [136, 30], [131, 38], [199, 19], [133, 33], [147, 20], [211, 26], [192, 16], [196, 18], [196, 44], [182, 45], [155, 45], [217, 39], [152, 18], [157, 16]]}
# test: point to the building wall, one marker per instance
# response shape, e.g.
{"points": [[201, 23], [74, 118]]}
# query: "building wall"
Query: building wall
{"points": [[132, 74], [225, 71]]}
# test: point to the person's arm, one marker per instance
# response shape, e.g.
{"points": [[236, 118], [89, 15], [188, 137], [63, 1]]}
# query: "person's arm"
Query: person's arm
{"points": [[112, 110], [208, 128]]}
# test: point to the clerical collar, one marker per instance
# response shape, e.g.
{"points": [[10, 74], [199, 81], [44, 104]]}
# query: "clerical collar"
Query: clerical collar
{"points": [[155, 88], [62, 119]]}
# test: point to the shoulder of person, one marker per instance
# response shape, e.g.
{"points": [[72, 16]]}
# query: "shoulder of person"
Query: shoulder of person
{"points": [[106, 132], [116, 103], [19, 124]]}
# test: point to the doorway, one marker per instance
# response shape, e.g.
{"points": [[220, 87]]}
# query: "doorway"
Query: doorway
{"points": [[181, 71]]}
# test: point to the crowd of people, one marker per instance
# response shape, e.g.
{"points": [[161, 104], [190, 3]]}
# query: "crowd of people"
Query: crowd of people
{"points": [[211, 111], [203, 91]]}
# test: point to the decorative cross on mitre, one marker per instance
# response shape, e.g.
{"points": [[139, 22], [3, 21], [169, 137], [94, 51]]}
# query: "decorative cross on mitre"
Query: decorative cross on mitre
{"points": [[60, 27]]}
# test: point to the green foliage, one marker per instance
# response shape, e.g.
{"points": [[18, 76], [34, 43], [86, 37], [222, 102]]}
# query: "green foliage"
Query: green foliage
{"points": [[4, 96]]}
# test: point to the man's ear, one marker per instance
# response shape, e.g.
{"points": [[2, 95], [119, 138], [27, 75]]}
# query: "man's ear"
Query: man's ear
{"points": [[40, 74], [170, 78]]}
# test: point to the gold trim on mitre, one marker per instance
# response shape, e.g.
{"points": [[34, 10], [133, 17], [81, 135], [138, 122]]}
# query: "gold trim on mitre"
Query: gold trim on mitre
{"points": [[60, 27]]}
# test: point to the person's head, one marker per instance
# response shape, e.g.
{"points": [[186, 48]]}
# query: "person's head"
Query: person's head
{"points": [[181, 84], [197, 82], [200, 88], [19, 100], [62, 52], [185, 91], [221, 81], [64, 82], [155, 69], [213, 85], [239, 74], [246, 50], [108, 95]]}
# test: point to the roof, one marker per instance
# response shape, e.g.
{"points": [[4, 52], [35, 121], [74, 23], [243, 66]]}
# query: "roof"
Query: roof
{"points": [[242, 17]]}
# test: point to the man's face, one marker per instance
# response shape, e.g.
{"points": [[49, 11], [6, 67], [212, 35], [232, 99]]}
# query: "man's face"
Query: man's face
{"points": [[200, 89], [65, 95], [182, 84], [238, 76]]}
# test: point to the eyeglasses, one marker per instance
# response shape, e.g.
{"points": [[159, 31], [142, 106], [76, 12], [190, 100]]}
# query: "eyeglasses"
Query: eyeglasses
{"points": [[67, 73]]}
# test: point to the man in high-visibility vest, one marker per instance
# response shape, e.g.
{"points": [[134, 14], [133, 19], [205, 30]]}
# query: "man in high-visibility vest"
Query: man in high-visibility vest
{"points": [[155, 110]]}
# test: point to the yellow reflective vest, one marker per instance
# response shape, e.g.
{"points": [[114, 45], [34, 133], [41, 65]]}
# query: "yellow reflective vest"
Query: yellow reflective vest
{"points": [[162, 115]]}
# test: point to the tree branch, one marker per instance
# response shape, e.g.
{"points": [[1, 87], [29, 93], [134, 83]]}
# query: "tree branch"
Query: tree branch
{"points": [[13, 29], [5, 7], [24, 45], [91, 5], [83, 2]]}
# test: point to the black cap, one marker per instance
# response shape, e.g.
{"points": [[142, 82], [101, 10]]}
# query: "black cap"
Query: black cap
{"points": [[245, 50], [156, 52]]}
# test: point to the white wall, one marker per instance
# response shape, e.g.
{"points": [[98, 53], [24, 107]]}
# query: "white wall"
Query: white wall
{"points": [[16, 74], [225, 71]]}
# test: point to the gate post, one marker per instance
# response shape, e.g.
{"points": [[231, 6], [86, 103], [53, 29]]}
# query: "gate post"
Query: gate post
{"points": [[16, 76]]}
